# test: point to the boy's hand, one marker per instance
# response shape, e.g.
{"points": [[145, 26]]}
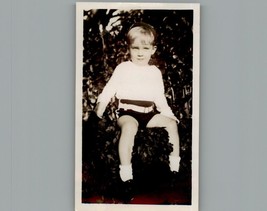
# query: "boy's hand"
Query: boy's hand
{"points": [[99, 110]]}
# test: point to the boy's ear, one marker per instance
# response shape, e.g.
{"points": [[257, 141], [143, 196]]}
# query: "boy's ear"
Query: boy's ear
{"points": [[154, 49]]}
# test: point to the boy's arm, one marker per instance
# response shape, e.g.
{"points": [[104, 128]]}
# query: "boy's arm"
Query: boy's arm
{"points": [[164, 108], [161, 101], [108, 92]]}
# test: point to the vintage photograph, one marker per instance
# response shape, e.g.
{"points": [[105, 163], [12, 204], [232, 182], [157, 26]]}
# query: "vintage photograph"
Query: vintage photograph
{"points": [[137, 106]]}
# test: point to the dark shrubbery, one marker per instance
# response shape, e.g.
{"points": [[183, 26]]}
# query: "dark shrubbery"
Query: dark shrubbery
{"points": [[104, 48]]}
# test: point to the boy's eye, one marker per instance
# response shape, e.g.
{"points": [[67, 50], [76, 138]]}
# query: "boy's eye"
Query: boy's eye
{"points": [[137, 48]]}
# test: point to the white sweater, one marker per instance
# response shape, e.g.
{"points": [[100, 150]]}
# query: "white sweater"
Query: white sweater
{"points": [[134, 82]]}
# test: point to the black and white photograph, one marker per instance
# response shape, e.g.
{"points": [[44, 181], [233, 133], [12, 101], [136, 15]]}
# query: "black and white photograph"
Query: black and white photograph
{"points": [[137, 106]]}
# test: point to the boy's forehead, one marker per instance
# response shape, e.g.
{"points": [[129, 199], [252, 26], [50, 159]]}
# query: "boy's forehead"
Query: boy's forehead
{"points": [[139, 41], [142, 39]]}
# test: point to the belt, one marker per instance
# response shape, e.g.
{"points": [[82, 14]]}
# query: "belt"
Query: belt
{"points": [[140, 109], [142, 103]]}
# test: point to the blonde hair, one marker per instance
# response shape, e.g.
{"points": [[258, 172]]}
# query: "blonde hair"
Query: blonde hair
{"points": [[143, 31]]}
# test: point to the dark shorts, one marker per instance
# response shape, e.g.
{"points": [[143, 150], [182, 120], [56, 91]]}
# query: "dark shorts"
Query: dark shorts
{"points": [[142, 118]]}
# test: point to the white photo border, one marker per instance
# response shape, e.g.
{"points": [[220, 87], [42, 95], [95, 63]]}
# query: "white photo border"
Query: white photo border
{"points": [[80, 7]]}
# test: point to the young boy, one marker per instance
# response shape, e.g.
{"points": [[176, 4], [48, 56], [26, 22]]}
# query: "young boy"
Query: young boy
{"points": [[139, 88]]}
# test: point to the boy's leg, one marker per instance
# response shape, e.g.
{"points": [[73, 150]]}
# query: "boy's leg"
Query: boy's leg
{"points": [[129, 127], [170, 126]]}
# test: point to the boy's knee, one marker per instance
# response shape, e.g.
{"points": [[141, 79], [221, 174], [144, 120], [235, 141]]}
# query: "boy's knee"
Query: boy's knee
{"points": [[130, 127]]}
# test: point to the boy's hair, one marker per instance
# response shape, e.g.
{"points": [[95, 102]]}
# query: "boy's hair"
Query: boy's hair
{"points": [[142, 31]]}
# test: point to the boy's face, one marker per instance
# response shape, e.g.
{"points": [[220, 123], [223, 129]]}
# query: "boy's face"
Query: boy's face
{"points": [[141, 52]]}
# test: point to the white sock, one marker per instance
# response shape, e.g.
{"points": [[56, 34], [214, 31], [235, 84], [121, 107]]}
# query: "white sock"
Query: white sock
{"points": [[174, 163], [126, 172]]}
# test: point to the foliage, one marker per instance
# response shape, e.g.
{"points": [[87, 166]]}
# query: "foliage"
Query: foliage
{"points": [[104, 48]]}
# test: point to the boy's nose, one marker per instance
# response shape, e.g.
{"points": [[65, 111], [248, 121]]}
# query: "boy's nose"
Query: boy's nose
{"points": [[140, 53]]}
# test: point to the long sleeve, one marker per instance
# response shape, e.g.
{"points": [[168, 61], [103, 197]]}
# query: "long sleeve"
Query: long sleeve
{"points": [[161, 101], [110, 89]]}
